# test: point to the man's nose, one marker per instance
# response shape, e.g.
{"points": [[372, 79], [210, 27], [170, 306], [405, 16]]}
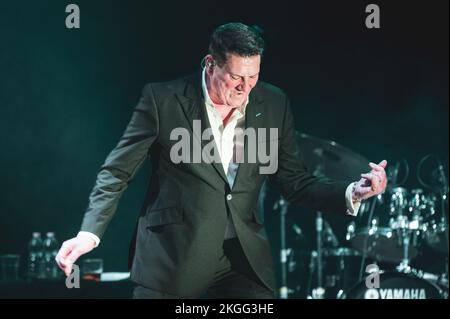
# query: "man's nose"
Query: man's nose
{"points": [[245, 86]]}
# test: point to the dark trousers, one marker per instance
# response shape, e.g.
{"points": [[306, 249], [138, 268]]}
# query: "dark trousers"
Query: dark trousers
{"points": [[234, 278]]}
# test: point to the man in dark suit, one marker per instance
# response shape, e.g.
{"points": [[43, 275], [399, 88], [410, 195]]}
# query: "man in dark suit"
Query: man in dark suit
{"points": [[199, 230]]}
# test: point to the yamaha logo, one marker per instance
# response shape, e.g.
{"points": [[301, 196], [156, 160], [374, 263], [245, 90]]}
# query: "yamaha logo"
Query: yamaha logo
{"points": [[400, 293]]}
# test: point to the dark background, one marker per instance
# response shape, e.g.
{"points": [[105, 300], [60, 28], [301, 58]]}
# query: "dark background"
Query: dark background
{"points": [[67, 94]]}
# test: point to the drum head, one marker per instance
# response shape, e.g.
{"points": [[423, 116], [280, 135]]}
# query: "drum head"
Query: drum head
{"points": [[395, 286]]}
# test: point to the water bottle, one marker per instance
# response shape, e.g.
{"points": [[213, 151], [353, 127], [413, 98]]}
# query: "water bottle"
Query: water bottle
{"points": [[35, 257], [51, 247]]}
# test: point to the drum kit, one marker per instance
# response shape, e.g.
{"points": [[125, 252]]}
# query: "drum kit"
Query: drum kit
{"points": [[377, 258]]}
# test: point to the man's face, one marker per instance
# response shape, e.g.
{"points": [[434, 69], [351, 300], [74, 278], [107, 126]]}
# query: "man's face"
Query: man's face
{"points": [[231, 83]]}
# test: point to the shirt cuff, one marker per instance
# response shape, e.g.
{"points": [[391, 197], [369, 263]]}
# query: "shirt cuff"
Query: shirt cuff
{"points": [[90, 235], [352, 207]]}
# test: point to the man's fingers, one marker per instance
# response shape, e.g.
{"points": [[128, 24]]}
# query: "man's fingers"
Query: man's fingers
{"points": [[368, 176], [375, 180], [74, 255], [378, 167], [68, 269], [65, 265], [64, 251], [378, 175], [67, 255], [364, 190], [59, 262], [71, 250], [364, 182]]}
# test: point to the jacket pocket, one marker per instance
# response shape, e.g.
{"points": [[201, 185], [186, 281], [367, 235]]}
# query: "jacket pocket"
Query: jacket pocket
{"points": [[164, 216]]}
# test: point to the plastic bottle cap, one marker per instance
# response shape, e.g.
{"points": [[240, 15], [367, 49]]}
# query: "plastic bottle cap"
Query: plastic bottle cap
{"points": [[36, 234], [50, 234]]}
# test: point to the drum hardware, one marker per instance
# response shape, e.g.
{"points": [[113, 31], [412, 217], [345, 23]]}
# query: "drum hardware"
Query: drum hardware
{"points": [[282, 205], [437, 227], [346, 262], [319, 291], [441, 280], [339, 272], [372, 229], [305, 262]]}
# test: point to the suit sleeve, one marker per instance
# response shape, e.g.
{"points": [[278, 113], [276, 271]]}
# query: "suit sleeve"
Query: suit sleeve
{"points": [[297, 185], [121, 164]]}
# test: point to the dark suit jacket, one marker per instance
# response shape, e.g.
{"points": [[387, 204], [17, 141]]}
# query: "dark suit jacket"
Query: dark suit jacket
{"points": [[181, 228]]}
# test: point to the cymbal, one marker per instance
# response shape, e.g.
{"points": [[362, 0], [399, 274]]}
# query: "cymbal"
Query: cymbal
{"points": [[330, 159]]}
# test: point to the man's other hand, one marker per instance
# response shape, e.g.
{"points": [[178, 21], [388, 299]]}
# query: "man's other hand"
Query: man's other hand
{"points": [[71, 250], [372, 183]]}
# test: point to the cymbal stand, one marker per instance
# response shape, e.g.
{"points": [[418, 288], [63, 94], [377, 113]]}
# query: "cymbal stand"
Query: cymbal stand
{"points": [[319, 291], [282, 204], [404, 265]]}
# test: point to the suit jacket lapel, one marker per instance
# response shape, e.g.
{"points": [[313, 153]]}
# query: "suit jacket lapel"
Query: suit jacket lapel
{"points": [[254, 119], [194, 108]]}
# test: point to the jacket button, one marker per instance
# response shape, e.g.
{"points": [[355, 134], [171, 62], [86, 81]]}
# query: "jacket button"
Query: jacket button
{"points": [[229, 197]]}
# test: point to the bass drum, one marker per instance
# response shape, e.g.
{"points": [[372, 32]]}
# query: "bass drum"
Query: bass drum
{"points": [[396, 285]]}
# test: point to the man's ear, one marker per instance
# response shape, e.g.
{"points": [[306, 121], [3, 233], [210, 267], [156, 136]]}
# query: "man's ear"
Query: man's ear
{"points": [[209, 63]]}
